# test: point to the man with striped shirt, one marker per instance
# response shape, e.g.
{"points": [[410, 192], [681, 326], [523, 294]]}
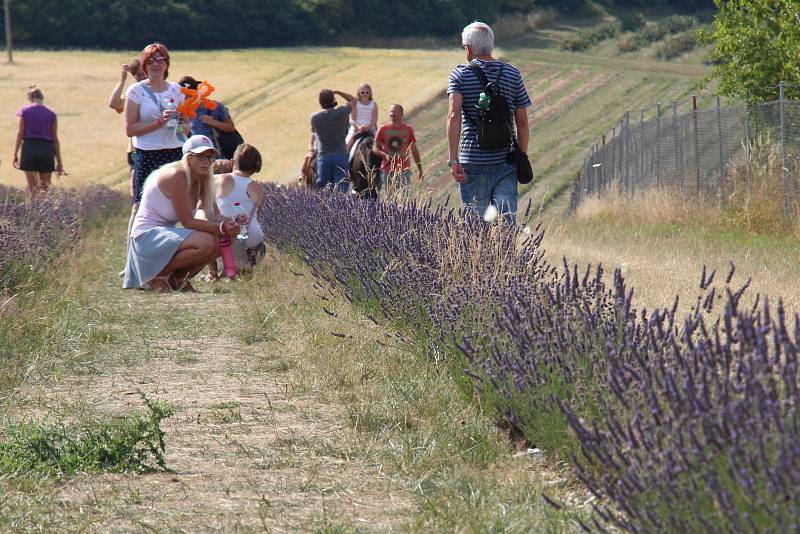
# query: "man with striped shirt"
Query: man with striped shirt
{"points": [[485, 177]]}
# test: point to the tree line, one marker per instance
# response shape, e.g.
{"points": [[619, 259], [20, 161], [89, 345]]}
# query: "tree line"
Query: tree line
{"points": [[130, 24]]}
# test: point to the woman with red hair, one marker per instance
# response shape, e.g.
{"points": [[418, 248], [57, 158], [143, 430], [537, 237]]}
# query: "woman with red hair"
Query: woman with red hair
{"points": [[156, 129]]}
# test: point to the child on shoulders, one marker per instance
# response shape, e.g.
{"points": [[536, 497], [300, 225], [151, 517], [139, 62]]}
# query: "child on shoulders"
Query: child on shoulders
{"points": [[364, 115]]}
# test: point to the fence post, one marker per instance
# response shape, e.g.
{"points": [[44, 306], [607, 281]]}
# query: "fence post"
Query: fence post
{"points": [[641, 146], [627, 141], [658, 145], [722, 173], [678, 166], [595, 166], [603, 163], [613, 153], [621, 154], [748, 154], [576, 193], [696, 144], [787, 209]]}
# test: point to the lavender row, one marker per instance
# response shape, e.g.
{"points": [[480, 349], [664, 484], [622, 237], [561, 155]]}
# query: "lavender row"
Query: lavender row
{"points": [[675, 421], [32, 234]]}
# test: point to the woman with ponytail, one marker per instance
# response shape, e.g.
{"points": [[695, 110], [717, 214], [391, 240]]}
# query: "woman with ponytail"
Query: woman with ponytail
{"points": [[38, 137]]}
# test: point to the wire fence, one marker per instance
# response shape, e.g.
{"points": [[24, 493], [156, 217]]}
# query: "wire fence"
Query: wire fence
{"points": [[712, 152]]}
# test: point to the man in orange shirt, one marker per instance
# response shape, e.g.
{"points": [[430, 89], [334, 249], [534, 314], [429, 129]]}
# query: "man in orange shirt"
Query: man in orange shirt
{"points": [[393, 142]]}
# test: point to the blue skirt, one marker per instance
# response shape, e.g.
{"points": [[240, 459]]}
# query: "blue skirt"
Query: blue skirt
{"points": [[150, 252]]}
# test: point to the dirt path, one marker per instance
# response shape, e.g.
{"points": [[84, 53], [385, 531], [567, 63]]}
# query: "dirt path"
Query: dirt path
{"points": [[252, 445]]}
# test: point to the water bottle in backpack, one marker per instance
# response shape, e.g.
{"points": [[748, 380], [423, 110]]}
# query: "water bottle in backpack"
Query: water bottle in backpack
{"points": [[494, 113]]}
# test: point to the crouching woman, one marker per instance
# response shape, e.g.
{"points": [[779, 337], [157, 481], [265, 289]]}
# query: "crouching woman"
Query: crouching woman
{"points": [[161, 255]]}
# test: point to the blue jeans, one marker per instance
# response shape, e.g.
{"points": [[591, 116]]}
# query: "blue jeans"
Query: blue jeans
{"points": [[490, 184], [333, 169]]}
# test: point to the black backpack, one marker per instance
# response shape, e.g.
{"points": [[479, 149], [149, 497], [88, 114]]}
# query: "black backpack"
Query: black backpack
{"points": [[228, 141], [494, 123]]}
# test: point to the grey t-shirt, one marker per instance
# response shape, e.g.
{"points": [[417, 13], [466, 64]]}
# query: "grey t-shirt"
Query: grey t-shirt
{"points": [[330, 126]]}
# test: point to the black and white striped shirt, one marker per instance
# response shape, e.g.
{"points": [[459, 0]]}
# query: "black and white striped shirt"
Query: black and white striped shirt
{"points": [[465, 82]]}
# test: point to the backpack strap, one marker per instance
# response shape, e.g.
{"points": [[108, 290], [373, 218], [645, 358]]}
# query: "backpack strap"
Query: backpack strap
{"points": [[152, 95], [157, 102], [476, 68]]}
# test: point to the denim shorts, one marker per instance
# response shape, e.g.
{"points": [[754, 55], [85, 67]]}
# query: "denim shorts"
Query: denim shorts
{"points": [[490, 184]]}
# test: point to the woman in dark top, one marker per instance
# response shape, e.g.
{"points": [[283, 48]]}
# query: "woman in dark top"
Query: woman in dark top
{"points": [[38, 137]]}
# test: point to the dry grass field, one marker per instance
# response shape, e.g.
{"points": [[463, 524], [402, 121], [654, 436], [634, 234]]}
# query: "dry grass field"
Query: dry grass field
{"points": [[576, 96], [270, 94]]}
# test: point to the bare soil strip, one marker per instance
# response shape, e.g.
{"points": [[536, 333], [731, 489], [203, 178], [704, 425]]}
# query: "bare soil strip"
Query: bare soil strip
{"points": [[248, 449]]}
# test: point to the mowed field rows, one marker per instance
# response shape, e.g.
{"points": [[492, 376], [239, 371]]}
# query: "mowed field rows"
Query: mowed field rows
{"points": [[576, 98], [270, 94]]}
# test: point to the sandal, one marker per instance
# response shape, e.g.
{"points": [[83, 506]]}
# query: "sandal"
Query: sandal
{"points": [[160, 284], [187, 287]]}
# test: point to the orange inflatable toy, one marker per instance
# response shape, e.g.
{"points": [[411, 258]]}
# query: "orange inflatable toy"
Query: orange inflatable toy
{"points": [[195, 97]]}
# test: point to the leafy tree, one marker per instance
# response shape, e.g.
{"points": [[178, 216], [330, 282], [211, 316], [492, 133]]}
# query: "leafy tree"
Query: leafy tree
{"points": [[757, 44]]}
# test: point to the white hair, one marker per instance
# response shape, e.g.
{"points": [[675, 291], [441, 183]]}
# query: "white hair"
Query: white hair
{"points": [[479, 36]]}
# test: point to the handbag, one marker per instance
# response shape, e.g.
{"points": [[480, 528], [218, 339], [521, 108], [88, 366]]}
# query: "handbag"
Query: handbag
{"points": [[227, 142], [520, 159]]}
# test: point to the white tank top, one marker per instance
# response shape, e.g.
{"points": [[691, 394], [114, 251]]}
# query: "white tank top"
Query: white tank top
{"points": [[364, 112], [239, 194], [155, 209]]}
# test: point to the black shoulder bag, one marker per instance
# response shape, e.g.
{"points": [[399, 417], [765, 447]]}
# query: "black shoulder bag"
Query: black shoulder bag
{"points": [[494, 125], [227, 142]]}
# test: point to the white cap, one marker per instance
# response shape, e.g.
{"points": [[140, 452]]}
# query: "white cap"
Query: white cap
{"points": [[197, 144]]}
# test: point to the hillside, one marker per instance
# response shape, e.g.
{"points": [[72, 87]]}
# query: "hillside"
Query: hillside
{"points": [[271, 92], [576, 95]]}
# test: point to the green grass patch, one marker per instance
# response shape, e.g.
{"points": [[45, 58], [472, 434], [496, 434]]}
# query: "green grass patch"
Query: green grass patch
{"points": [[587, 38], [724, 238], [656, 31], [673, 47], [132, 443]]}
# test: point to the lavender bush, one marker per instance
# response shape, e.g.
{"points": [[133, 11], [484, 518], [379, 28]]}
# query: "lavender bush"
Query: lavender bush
{"points": [[700, 430], [33, 234], [676, 423]]}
